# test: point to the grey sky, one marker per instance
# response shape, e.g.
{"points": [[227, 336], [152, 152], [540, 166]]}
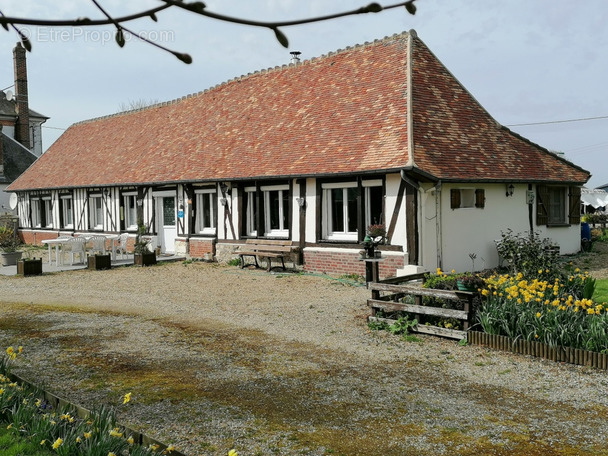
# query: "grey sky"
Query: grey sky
{"points": [[525, 61]]}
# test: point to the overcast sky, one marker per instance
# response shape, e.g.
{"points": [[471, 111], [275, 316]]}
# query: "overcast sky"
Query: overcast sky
{"points": [[525, 61]]}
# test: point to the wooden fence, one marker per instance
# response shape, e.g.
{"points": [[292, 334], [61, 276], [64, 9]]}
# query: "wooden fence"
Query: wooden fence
{"points": [[540, 350], [401, 287]]}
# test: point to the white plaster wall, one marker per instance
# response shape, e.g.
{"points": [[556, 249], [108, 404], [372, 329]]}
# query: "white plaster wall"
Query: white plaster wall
{"points": [[311, 209], [473, 230]]}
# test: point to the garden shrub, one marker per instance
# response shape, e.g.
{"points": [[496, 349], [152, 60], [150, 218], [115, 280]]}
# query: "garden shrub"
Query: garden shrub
{"points": [[528, 253]]}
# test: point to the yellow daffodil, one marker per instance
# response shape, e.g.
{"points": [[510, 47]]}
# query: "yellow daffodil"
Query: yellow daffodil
{"points": [[114, 433], [169, 449], [78, 440], [130, 440], [127, 398], [111, 454], [57, 443], [153, 447], [9, 426], [87, 435], [232, 453], [537, 314], [43, 442]]}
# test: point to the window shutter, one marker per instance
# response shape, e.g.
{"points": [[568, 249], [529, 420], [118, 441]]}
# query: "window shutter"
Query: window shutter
{"points": [[455, 198], [542, 209], [574, 206], [480, 198]]}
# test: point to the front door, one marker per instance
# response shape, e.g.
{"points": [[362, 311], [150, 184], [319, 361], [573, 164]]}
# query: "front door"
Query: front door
{"points": [[167, 226]]}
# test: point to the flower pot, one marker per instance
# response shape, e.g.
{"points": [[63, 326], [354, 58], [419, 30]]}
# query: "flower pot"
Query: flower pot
{"points": [[98, 262], [29, 267], [144, 259], [10, 258], [464, 287]]}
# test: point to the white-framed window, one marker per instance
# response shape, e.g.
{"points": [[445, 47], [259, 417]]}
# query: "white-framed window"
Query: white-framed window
{"points": [[95, 212], [276, 210], [556, 205], [205, 211], [66, 211], [250, 211], [340, 212], [42, 212], [130, 210]]}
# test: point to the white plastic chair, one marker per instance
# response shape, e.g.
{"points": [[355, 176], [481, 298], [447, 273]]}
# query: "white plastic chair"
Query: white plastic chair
{"points": [[76, 246], [122, 245], [98, 244]]}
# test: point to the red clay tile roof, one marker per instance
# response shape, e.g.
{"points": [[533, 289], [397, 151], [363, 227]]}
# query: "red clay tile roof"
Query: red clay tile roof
{"points": [[345, 112]]}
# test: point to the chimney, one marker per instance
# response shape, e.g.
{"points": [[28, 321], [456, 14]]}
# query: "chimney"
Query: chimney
{"points": [[295, 56], [22, 126], [1, 153]]}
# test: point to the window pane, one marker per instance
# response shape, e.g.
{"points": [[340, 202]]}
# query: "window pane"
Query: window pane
{"points": [[67, 211], [274, 201], [285, 210], [374, 204], [352, 209], [169, 211], [337, 210], [557, 206], [207, 218]]}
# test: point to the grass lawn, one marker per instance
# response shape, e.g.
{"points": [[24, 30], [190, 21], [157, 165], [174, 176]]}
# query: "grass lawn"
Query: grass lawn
{"points": [[12, 445], [601, 291]]}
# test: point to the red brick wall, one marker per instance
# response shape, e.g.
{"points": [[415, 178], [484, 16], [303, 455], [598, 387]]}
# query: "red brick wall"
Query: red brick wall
{"points": [[199, 247], [347, 262], [34, 237]]}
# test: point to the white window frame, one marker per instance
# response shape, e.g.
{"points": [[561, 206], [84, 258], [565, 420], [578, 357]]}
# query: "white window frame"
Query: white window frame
{"points": [[94, 223], [205, 197], [128, 197], [250, 194], [67, 212], [282, 231], [328, 231], [47, 207]]}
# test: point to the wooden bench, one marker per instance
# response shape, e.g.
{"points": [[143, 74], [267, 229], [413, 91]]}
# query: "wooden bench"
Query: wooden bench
{"points": [[268, 249]]}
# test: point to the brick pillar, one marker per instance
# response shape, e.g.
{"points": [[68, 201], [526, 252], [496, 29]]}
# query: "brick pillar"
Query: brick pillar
{"points": [[22, 126]]}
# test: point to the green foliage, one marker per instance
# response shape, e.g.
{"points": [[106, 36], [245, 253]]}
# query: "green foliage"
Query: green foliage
{"points": [[234, 262], [9, 242], [402, 325], [528, 253], [12, 444], [141, 245]]}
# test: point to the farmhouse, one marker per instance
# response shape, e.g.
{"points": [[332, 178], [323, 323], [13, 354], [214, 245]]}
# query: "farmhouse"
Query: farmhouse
{"points": [[312, 152]]}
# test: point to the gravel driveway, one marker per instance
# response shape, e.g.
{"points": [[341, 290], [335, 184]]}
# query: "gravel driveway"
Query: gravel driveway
{"points": [[219, 358]]}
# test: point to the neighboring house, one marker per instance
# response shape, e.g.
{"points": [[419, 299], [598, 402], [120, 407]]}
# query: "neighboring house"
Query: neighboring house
{"points": [[20, 131], [313, 152]]}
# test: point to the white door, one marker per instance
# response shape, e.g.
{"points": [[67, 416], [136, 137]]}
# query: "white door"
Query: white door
{"points": [[167, 223]]}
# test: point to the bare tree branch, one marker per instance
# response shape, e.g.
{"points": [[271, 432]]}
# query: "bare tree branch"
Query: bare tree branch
{"points": [[196, 7]]}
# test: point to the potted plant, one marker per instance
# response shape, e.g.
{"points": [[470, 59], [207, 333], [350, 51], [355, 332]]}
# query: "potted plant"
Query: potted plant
{"points": [[470, 282], [142, 255], [9, 244]]}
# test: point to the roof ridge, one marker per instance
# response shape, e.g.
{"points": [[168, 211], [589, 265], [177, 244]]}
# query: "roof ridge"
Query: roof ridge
{"points": [[161, 104]]}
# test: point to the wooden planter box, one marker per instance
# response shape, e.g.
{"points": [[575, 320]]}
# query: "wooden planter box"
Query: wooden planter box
{"points": [[10, 258], [98, 262], [29, 267], [144, 259]]}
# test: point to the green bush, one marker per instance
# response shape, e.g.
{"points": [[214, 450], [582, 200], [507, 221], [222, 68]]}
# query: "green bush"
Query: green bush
{"points": [[528, 253]]}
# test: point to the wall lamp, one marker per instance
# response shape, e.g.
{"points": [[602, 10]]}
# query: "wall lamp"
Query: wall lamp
{"points": [[510, 189]]}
